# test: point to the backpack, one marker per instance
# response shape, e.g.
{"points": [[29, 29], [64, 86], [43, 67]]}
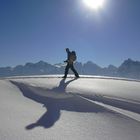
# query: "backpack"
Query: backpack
{"points": [[72, 56]]}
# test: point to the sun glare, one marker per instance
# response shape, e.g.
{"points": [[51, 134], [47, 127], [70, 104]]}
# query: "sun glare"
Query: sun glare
{"points": [[94, 4]]}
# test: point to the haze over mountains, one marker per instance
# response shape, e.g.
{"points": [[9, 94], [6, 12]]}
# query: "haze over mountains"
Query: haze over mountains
{"points": [[128, 69]]}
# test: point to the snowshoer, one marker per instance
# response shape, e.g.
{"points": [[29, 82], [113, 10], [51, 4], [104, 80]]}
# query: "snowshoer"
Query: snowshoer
{"points": [[71, 57]]}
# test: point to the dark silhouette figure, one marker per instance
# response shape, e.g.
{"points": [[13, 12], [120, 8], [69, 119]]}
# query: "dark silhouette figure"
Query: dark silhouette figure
{"points": [[55, 105], [70, 59]]}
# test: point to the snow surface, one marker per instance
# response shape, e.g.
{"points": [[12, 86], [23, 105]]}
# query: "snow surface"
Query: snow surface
{"points": [[52, 108]]}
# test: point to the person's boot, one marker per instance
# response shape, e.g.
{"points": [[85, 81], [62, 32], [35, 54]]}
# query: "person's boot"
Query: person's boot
{"points": [[77, 76]]}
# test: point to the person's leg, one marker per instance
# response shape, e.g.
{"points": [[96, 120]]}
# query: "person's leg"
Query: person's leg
{"points": [[75, 72], [66, 71]]}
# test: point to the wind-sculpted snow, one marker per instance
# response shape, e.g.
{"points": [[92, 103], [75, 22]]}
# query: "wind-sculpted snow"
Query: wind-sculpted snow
{"points": [[90, 108], [55, 100], [123, 99], [56, 92]]}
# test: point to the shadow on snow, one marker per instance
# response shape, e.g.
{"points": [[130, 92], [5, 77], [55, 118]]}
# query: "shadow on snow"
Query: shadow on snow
{"points": [[55, 105]]}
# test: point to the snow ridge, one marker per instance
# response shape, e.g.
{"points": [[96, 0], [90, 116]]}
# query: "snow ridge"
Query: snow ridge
{"points": [[60, 92], [54, 108]]}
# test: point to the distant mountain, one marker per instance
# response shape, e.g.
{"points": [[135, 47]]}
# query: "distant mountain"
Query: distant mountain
{"points": [[129, 69], [38, 68], [91, 68]]}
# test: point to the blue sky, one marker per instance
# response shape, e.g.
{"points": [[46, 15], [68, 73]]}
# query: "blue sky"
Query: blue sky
{"points": [[33, 30]]}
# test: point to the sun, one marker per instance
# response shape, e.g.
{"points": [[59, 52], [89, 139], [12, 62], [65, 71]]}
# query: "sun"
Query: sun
{"points": [[94, 4]]}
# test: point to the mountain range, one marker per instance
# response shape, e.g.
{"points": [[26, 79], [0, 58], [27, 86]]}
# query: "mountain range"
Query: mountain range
{"points": [[128, 69]]}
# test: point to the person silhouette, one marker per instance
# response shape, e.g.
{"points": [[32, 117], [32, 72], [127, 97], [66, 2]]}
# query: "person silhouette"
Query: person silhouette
{"points": [[71, 57]]}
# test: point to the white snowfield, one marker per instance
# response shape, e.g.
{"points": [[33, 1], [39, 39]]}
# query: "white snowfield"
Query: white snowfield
{"points": [[52, 108]]}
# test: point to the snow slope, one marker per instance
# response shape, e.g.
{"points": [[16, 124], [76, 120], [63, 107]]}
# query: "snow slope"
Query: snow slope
{"points": [[53, 108]]}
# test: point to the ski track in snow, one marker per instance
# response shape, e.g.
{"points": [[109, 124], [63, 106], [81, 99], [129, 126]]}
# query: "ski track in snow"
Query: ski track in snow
{"points": [[118, 109]]}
